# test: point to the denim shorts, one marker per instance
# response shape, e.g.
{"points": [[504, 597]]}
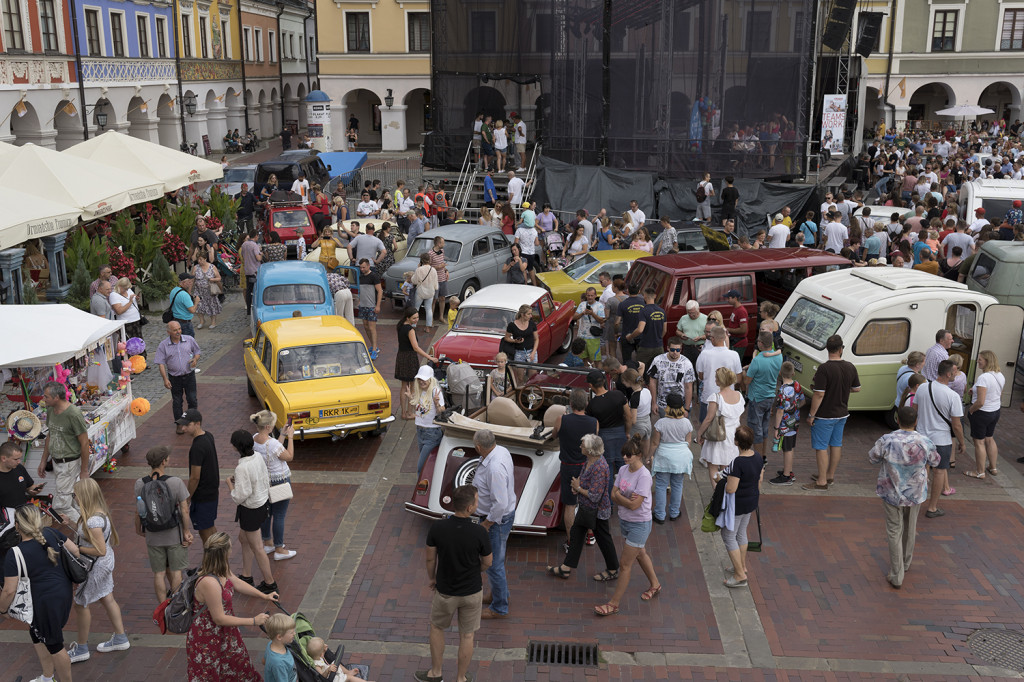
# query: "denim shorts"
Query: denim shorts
{"points": [[635, 532], [759, 414], [827, 433], [945, 454]]}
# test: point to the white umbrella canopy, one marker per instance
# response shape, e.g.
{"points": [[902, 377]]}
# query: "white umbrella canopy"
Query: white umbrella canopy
{"points": [[78, 331], [95, 188], [25, 218], [171, 167], [965, 110]]}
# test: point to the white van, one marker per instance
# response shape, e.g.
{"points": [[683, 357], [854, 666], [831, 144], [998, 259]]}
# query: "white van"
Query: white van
{"points": [[883, 314], [995, 196]]}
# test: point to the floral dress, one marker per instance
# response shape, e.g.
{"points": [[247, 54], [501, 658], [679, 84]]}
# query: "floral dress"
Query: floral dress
{"points": [[215, 653], [101, 576], [389, 253], [209, 303]]}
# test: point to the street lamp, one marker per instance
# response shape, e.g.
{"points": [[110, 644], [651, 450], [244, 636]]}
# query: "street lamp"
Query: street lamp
{"points": [[389, 99], [101, 119], [190, 105]]}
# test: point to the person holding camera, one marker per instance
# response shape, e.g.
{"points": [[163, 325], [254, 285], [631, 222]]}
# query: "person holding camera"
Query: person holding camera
{"points": [[590, 318]]}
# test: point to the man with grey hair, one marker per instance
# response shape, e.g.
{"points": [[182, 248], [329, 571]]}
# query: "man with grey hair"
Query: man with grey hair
{"points": [[67, 444], [691, 328], [719, 355], [495, 483], [99, 303]]}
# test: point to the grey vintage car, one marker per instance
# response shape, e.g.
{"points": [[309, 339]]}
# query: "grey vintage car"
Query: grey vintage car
{"points": [[474, 253]]}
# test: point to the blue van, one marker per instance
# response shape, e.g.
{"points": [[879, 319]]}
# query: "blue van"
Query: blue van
{"points": [[282, 287]]}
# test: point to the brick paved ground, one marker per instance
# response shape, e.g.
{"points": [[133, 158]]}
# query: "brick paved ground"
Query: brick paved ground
{"points": [[818, 607]]}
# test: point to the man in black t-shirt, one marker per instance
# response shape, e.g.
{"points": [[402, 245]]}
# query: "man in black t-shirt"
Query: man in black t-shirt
{"points": [[611, 409], [570, 429], [650, 330], [203, 477], [246, 207], [629, 313], [730, 197], [15, 482], [458, 550], [833, 382]]}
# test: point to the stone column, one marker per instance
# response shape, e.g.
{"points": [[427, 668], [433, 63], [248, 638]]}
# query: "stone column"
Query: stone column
{"points": [[217, 123], [147, 129], [901, 117], [10, 273], [393, 130], [195, 128], [53, 246], [266, 121], [291, 110], [339, 125], [42, 138], [169, 132]]}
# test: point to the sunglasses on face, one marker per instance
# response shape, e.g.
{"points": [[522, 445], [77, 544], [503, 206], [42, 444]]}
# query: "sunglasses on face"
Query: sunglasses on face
{"points": [[675, 350]]}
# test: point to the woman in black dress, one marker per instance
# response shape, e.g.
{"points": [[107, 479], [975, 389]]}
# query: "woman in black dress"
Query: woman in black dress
{"points": [[520, 340], [384, 234], [407, 362], [50, 588]]}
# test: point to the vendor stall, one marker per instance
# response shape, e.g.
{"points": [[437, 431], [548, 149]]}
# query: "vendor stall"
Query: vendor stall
{"points": [[88, 354]]}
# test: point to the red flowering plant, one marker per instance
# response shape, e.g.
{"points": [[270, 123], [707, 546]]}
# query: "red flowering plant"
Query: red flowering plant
{"points": [[214, 223], [173, 248], [120, 264]]}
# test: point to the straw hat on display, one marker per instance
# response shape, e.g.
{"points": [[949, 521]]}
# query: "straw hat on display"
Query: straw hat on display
{"points": [[24, 425]]}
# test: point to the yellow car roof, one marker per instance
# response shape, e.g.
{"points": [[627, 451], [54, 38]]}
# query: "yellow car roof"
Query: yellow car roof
{"points": [[294, 331], [618, 254]]}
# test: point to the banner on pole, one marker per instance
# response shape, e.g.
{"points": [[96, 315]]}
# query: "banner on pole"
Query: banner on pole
{"points": [[833, 123]]}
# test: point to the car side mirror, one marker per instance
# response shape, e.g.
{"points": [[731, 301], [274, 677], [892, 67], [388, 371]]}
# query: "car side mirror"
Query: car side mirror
{"points": [[328, 166], [247, 343]]}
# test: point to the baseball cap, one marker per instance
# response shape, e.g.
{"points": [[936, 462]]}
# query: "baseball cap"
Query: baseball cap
{"points": [[595, 377], [979, 211], [190, 416], [732, 293], [182, 276], [425, 373], [779, 217]]}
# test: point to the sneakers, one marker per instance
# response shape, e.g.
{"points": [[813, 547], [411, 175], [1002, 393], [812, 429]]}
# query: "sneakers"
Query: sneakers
{"points": [[783, 479], [591, 540], [78, 652], [265, 588], [116, 643], [374, 353], [268, 550], [246, 579], [287, 554], [425, 676]]}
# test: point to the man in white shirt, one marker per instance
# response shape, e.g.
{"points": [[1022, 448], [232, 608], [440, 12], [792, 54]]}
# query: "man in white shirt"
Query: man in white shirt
{"points": [[367, 208], [708, 362], [827, 206], [704, 207], [636, 214], [609, 290], [778, 234], [520, 140], [588, 227], [957, 238], [979, 221], [939, 409], [516, 186], [942, 148], [526, 237], [301, 187], [478, 124], [367, 246], [835, 233]]}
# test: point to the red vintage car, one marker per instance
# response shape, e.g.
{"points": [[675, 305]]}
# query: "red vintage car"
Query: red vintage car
{"points": [[288, 217], [482, 319]]}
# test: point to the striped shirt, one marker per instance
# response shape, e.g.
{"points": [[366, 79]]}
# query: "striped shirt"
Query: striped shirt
{"points": [[932, 358], [438, 262]]}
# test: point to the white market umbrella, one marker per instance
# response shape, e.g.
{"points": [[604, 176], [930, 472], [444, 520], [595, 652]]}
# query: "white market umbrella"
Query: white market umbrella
{"points": [[171, 167], [964, 110], [95, 188], [25, 218], [34, 347]]}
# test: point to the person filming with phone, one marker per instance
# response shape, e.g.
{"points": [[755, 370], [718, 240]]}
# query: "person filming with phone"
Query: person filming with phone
{"points": [[521, 338]]}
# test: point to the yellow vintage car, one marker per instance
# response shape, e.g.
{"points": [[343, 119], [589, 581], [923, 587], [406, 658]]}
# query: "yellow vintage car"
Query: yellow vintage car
{"points": [[316, 374], [571, 283]]}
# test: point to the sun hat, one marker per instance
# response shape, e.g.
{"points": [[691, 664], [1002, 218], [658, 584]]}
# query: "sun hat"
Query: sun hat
{"points": [[24, 425]]}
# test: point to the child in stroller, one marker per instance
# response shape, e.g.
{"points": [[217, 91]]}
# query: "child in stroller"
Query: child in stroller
{"points": [[554, 244], [314, 662]]}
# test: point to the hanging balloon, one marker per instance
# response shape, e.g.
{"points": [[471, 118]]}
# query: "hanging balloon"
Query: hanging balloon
{"points": [[138, 363], [135, 346], [140, 406]]}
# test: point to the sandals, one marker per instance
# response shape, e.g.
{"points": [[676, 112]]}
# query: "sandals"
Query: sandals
{"points": [[606, 610], [732, 582], [559, 572], [651, 593], [606, 576], [951, 491], [974, 474], [993, 471]]}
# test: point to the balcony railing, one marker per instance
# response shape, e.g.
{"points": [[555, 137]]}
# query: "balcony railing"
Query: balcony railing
{"points": [[121, 70]]}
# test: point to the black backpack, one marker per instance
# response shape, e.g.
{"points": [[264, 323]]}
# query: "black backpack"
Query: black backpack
{"points": [[161, 509], [700, 193]]}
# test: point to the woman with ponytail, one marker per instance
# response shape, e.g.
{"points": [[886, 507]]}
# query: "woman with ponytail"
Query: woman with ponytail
{"points": [[51, 589], [250, 489], [632, 494], [276, 455]]}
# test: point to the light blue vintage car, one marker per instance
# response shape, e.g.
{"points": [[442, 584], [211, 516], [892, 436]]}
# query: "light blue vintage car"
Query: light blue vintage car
{"points": [[282, 287]]}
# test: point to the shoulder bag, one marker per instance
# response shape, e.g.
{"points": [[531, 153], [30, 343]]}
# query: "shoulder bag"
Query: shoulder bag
{"points": [[281, 490], [75, 568], [716, 429], [168, 315], [21, 606]]}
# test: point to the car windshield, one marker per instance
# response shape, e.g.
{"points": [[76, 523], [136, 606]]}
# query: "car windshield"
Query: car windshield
{"points": [[239, 175], [580, 266], [996, 208], [421, 244], [291, 218], [293, 294], [983, 269], [319, 362], [491, 320], [812, 322]]}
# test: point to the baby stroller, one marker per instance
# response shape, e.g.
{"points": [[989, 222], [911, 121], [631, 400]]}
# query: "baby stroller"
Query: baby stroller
{"points": [[554, 245], [304, 664]]}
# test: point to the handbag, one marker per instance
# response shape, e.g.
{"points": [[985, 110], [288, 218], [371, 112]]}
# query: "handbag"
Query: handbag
{"points": [[707, 522], [216, 289], [279, 492], [21, 606], [168, 315], [716, 429], [75, 568]]}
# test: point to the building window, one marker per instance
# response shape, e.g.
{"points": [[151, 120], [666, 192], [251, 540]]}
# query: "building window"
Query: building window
{"points": [[204, 33], [419, 32], [944, 30], [799, 30], [759, 31], [186, 34], [246, 44], [117, 33], [12, 25], [291, 45], [312, 48], [357, 30], [225, 39], [1012, 37], [161, 37], [143, 27], [482, 34], [681, 31], [272, 43], [257, 44], [48, 25], [92, 33]]}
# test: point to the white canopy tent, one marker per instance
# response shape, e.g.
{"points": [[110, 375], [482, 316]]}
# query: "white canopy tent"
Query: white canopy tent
{"points": [[41, 335], [172, 168], [25, 218], [96, 189]]}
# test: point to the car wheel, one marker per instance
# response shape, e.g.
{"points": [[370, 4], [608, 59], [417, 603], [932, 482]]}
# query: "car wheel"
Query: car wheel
{"points": [[466, 473], [249, 389], [890, 418], [570, 334], [469, 288]]}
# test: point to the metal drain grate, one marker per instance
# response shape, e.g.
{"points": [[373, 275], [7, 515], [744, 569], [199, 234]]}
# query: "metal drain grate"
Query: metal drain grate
{"points": [[573, 654], [1004, 648]]}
